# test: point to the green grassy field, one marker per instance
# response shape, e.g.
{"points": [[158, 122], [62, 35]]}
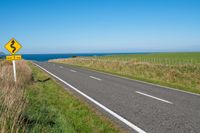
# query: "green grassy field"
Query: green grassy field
{"points": [[177, 70], [51, 109], [157, 58]]}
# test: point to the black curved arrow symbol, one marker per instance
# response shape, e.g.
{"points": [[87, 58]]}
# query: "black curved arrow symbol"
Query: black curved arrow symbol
{"points": [[12, 46]]}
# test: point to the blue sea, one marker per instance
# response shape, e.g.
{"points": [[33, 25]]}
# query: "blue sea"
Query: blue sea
{"points": [[46, 57]]}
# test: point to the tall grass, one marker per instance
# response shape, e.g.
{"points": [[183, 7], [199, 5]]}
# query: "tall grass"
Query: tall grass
{"points": [[37, 104], [178, 70], [12, 95]]}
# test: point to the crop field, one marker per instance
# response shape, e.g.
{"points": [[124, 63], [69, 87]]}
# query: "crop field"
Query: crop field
{"points": [[177, 70]]}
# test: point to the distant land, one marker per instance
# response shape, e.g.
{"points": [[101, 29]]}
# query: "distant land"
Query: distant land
{"points": [[2, 54]]}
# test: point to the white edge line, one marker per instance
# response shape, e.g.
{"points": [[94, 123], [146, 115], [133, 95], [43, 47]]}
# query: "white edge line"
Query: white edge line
{"points": [[95, 78], [170, 88], [134, 127], [154, 97], [73, 71]]}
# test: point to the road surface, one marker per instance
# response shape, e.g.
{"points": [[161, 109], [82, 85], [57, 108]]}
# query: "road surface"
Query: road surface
{"points": [[136, 106]]}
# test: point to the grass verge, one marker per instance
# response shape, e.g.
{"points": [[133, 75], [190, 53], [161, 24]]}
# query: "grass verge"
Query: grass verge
{"points": [[50, 108], [176, 71], [12, 98]]}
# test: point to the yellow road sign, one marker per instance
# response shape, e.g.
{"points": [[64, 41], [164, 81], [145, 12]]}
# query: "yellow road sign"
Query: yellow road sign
{"points": [[13, 46], [13, 57]]}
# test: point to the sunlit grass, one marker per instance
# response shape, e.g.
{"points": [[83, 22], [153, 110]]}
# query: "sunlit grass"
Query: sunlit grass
{"points": [[37, 104], [50, 108], [178, 70], [12, 98]]}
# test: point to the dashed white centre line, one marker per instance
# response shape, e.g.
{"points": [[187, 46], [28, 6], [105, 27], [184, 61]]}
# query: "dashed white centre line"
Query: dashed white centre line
{"points": [[61, 66], [95, 78], [73, 71], [154, 97]]}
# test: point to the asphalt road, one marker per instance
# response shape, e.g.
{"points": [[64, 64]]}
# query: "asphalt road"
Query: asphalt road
{"points": [[136, 106]]}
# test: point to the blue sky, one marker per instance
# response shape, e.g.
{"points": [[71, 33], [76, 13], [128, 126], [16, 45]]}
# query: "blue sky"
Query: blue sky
{"points": [[82, 26]]}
